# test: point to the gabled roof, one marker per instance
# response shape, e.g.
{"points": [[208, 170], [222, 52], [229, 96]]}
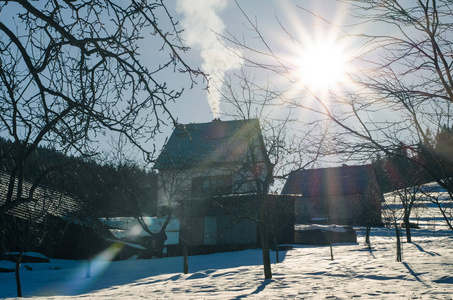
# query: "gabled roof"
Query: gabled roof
{"points": [[345, 180], [47, 202], [213, 142]]}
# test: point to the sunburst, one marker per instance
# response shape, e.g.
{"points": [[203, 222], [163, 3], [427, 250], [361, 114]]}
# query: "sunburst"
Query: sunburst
{"points": [[322, 66]]}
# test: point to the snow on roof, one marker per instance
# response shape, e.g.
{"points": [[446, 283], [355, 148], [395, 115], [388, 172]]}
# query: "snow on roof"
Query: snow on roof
{"points": [[128, 223], [333, 228]]}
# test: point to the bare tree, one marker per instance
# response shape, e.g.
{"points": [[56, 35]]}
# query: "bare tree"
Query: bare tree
{"points": [[71, 72], [440, 199], [393, 216], [255, 172], [400, 91], [404, 179], [280, 220], [410, 70], [244, 99], [409, 197], [368, 215], [289, 142]]}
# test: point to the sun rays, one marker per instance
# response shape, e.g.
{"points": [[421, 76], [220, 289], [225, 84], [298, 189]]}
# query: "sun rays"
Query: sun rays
{"points": [[322, 66], [318, 58]]}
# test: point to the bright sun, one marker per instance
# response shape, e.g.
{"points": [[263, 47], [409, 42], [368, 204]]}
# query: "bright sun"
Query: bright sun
{"points": [[322, 66]]}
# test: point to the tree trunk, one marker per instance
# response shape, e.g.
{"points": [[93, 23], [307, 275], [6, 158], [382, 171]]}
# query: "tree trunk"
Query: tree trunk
{"points": [[157, 242], [443, 214], [398, 243], [262, 225], [408, 229], [186, 259], [277, 258], [16, 271], [266, 256], [331, 251], [330, 244], [367, 236]]}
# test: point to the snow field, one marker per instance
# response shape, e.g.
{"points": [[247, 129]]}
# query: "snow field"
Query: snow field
{"points": [[305, 273]]}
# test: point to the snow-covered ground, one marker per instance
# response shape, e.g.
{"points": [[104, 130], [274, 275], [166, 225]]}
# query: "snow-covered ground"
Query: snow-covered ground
{"points": [[306, 272]]}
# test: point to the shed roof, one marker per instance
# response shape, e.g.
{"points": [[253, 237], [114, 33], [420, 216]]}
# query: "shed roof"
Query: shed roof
{"points": [[345, 180], [46, 202], [213, 142]]}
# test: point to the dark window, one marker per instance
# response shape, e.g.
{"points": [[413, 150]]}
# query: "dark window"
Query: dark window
{"points": [[211, 185]]}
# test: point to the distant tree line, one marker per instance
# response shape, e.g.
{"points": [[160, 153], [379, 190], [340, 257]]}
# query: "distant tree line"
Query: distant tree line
{"points": [[107, 189]]}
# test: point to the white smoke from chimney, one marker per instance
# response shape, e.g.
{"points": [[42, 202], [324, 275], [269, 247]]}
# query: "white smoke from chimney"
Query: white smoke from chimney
{"points": [[202, 24]]}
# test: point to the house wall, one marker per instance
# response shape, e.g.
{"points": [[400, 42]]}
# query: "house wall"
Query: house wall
{"points": [[328, 210], [218, 230], [341, 210], [173, 186], [345, 209], [176, 185], [362, 209], [231, 231]]}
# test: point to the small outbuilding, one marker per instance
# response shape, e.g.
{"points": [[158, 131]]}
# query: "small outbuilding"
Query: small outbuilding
{"points": [[347, 195]]}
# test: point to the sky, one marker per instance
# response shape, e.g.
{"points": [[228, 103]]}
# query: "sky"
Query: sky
{"points": [[203, 19], [234, 22], [225, 16], [316, 25]]}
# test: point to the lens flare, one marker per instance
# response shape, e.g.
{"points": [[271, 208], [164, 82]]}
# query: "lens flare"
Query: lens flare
{"points": [[88, 274]]}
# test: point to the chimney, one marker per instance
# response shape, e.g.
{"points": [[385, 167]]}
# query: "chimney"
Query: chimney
{"points": [[216, 120]]}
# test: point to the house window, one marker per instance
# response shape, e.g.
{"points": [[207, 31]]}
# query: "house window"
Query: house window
{"points": [[206, 186]]}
